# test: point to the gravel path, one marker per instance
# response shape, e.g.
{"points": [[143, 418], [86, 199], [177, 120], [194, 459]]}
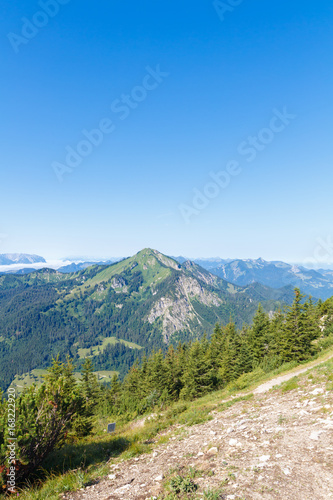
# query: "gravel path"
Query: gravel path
{"points": [[277, 445], [284, 378]]}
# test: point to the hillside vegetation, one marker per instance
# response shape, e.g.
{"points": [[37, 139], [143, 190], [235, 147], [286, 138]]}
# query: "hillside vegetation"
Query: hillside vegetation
{"points": [[146, 302], [61, 423]]}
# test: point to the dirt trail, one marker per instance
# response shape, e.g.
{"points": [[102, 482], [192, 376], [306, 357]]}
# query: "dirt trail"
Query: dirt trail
{"points": [[276, 445], [284, 378]]}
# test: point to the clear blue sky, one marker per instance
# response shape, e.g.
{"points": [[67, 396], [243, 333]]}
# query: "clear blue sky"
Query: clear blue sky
{"points": [[225, 78]]}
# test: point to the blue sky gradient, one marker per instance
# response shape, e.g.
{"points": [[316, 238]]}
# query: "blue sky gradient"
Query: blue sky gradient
{"points": [[221, 81]]}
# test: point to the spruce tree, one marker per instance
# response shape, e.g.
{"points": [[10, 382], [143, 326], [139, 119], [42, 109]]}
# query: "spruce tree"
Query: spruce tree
{"points": [[197, 378], [258, 337], [295, 339], [275, 334], [91, 392], [173, 374], [244, 356], [231, 365], [114, 391], [216, 346], [310, 330]]}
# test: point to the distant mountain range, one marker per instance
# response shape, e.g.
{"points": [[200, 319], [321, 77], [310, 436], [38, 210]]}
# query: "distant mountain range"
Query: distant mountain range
{"points": [[274, 274], [79, 266], [111, 311], [19, 258], [11, 264], [243, 272]]}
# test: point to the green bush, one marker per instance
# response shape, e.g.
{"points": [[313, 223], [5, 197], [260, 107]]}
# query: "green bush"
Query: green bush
{"points": [[45, 416], [325, 342], [247, 379], [289, 385], [179, 484]]}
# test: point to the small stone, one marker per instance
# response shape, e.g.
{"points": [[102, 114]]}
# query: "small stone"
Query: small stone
{"points": [[264, 458], [317, 391], [233, 442], [212, 451], [112, 476], [122, 488], [278, 455], [159, 478], [315, 435], [230, 430], [286, 471], [200, 454]]}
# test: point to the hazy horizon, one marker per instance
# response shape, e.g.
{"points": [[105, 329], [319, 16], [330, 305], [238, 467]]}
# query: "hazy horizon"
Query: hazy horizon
{"points": [[56, 263]]}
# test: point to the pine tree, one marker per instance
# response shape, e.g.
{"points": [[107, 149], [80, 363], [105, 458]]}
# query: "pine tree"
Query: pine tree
{"points": [[310, 330], [230, 366], [216, 346], [295, 343], [91, 387], [91, 392], [244, 356], [134, 389], [258, 337], [114, 391], [197, 378], [173, 373], [275, 334], [156, 380]]}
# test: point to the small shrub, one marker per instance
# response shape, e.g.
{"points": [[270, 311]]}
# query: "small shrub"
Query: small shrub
{"points": [[325, 342], [163, 439], [289, 385], [176, 410], [281, 419], [329, 386], [212, 495], [195, 416], [45, 415], [247, 379], [179, 484]]}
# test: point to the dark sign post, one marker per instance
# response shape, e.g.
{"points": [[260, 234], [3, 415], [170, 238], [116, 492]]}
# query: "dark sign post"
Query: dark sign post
{"points": [[111, 427]]}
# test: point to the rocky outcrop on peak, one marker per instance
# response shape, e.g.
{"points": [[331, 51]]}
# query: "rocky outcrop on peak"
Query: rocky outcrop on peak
{"points": [[177, 312]]}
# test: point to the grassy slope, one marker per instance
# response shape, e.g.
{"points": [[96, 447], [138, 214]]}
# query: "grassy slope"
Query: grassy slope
{"points": [[81, 463], [36, 377], [84, 353], [151, 274]]}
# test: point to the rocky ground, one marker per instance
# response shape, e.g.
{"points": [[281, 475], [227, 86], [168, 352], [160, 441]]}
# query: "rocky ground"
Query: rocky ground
{"points": [[276, 445]]}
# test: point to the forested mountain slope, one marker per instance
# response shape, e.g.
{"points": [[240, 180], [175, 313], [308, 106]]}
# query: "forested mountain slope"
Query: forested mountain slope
{"points": [[149, 299]]}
